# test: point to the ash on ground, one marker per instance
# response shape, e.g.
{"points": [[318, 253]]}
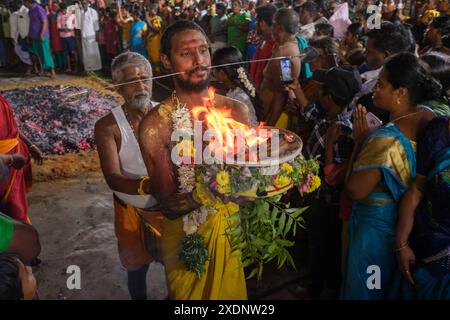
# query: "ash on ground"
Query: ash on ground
{"points": [[59, 119]]}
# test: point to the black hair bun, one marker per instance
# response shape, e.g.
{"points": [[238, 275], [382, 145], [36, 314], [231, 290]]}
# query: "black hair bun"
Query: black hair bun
{"points": [[430, 88]]}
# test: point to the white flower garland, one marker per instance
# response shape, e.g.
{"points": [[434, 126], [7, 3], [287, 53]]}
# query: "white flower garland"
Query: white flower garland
{"points": [[182, 121], [244, 80]]}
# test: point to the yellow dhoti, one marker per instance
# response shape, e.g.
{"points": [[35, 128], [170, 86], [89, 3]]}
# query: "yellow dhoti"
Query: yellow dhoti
{"points": [[283, 121], [138, 235], [224, 277]]}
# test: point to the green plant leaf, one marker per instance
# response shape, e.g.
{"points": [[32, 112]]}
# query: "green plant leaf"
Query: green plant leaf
{"points": [[288, 226], [281, 223], [253, 273]]}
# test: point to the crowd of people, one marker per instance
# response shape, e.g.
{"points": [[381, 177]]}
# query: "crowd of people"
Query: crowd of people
{"points": [[367, 90]]}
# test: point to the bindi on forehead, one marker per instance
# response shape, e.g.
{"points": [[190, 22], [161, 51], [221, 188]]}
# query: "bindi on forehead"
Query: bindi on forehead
{"points": [[189, 38], [135, 71]]}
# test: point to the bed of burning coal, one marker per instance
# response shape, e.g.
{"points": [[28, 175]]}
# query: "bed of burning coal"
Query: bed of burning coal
{"points": [[59, 119]]}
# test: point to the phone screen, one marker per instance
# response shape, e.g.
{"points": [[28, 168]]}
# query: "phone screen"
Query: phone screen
{"points": [[286, 71]]}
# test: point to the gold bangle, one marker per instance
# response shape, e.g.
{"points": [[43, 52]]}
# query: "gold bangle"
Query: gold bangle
{"points": [[402, 247], [141, 185]]}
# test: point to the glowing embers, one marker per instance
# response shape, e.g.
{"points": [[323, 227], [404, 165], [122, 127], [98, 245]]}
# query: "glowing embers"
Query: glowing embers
{"points": [[59, 119]]}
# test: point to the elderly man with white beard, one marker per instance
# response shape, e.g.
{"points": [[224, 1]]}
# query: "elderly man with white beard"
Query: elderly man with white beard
{"points": [[137, 221]]}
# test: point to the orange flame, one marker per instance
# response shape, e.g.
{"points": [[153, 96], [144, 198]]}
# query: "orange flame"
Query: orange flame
{"points": [[228, 130]]}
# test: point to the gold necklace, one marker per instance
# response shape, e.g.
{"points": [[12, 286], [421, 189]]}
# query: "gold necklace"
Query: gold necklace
{"points": [[175, 99], [406, 115]]}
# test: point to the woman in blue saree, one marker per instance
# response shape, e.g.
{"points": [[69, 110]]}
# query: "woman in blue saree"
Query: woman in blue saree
{"points": [[423, 231], [384, 168], [137, 34]]}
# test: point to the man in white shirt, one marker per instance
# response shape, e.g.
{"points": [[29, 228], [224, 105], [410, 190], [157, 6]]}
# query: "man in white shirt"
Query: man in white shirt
{"points": [[89, 27], [308, 13], [20, 24]]}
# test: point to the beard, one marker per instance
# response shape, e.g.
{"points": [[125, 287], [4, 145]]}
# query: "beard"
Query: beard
{"points": [[195, 87], [140, 100]]}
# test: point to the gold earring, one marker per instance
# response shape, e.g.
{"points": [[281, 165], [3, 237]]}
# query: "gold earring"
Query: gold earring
{"points": [[398, 101]]}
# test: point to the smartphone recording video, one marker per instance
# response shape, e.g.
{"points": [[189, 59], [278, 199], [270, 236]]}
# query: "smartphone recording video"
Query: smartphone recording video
{"points": [[286, 71]]}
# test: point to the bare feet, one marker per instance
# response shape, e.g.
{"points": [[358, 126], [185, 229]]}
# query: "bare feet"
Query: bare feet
{"points": [[50, 75]]}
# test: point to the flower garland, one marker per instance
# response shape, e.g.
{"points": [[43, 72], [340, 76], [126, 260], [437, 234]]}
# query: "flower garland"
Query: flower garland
{"points": [[182, 123], [242, 76]]}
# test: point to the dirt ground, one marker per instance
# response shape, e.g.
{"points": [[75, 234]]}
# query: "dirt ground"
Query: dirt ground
{"points": [[75, 219]]}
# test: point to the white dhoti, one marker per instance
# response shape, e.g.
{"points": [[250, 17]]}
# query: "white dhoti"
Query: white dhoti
{"points": [[91, 54]]}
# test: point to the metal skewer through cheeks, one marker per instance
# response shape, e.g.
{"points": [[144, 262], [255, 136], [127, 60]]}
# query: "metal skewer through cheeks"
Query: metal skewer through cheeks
{"points": [[210, 67]]}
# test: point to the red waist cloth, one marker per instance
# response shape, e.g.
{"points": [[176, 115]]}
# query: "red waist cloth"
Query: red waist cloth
{"points": [[264, 51], [334, 175], [13, 189]]}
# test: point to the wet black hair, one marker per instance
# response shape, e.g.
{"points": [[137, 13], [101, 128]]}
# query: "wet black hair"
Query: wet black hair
{"points": [[439, 68], [325, 29], [311, 7], [356, 57], [232, 55], [329, 45], [10, 283], [442, 24], [221, 6], [406, 70], [238, 1], [279, 4], [392, 38], [173, 29], [288, 19], [356, 29], [266, 13], [154, 6], [363, 13], [139, 13]]}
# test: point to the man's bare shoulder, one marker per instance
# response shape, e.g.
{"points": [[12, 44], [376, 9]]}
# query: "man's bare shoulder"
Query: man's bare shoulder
{"points": [[157, 122], [289, 49], [106, 124], [162, 112]]}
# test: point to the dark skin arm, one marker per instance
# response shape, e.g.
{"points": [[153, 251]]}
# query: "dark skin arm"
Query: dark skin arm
{"points": [[298, 93], [360, 184], [44, 27], [107, 139], [35, 152], [410, 201], [280, 96], [154, 139], [25, 243], [333, 134]]}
